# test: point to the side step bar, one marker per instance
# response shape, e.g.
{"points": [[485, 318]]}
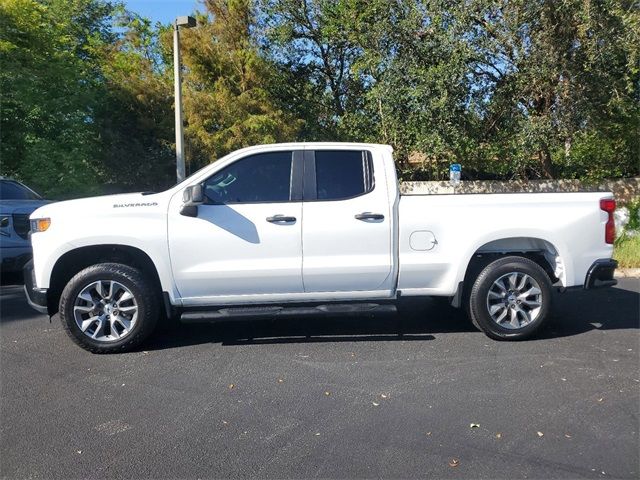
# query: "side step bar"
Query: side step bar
{"points": [[237, 313]]}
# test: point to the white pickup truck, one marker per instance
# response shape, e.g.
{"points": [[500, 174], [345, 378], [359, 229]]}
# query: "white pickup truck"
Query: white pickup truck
{"points": [[309, 228]]}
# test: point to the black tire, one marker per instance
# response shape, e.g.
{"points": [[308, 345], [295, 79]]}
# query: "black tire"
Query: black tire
{"points": [[133, 279], [478, 308]]}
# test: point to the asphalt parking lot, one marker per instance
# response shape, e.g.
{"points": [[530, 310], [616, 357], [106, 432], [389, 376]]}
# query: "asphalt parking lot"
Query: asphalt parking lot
{"points": [[351, 397]]}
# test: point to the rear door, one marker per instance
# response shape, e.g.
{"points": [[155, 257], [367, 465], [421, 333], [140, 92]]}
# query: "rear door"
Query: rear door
{"points": [[346, 234]]}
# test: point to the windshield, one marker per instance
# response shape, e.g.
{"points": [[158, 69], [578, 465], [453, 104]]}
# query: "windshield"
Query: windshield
{"points": [[10, 190]]}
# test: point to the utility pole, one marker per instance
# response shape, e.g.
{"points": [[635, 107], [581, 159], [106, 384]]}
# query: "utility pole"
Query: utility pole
{"points": [[185, 22]]}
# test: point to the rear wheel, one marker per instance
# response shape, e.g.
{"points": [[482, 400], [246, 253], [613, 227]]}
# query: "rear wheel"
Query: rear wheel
{"points": [[109, 308], [510, 299]]}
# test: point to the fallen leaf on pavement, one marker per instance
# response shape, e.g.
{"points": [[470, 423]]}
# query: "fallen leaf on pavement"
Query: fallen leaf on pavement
{"points": [[454, 462]]}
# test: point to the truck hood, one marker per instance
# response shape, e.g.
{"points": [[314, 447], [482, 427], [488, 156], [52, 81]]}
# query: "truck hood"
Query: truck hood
{"points": [[107, 204]]}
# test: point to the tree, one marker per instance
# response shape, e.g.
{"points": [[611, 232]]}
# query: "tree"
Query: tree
{"points": [[557, 76], [508, 88], [227, 102], [415, 65], [134, 118], [47, 78], [312, 42]]}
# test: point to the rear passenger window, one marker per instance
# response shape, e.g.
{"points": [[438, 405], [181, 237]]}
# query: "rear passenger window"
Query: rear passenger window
{"points": [[342, 174]]}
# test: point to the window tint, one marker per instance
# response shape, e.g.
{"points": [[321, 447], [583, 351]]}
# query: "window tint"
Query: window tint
{"points": [[342, 174], [265, 177], [14, 191]]}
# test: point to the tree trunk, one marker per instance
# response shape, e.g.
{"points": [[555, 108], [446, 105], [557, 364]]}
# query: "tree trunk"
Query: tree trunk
{"points": [[545, 161], [568, 143]]}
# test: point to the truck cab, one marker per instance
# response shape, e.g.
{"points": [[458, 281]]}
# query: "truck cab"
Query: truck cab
{"points": [[260, 212]]}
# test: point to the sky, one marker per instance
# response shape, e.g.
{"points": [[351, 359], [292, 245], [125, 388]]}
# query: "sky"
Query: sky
{"points": [[164, 11]]}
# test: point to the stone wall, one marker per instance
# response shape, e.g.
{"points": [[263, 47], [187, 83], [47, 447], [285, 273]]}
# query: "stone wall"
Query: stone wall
{"points": [[624, 189]]}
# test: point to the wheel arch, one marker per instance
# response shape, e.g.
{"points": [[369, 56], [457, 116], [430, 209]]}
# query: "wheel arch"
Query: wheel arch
{"points": [[540, 250], [73, 261]]}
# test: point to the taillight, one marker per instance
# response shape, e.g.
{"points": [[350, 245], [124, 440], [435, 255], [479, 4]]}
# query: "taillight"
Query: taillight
{"points": [[609, 206]]}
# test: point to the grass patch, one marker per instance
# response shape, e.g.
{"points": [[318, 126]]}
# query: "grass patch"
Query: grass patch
{"points": [[627, 252]]}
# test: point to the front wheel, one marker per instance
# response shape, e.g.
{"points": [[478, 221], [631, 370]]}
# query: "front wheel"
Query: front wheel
{"points": [[510, 299], [108, 308]]}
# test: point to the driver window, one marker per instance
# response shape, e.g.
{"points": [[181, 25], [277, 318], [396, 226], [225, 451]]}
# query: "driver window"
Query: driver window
{"points": [[264, 177]]}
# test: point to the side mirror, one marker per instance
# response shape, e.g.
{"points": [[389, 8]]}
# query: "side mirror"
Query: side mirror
{"points": [[191, 198], [193, 195]]}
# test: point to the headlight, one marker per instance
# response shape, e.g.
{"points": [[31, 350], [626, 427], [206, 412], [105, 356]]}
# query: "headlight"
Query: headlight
{"points": [[40, 224], [4, 223]]}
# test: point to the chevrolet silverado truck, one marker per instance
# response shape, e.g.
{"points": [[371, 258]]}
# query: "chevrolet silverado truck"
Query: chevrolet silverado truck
{"points": [[301, 228]]}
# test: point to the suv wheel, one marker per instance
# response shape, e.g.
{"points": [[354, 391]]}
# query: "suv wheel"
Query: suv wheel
{"points": [[510, 299], [108, 308]]}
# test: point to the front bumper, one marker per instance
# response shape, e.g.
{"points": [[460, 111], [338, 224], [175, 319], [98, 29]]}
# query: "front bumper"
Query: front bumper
{"points": [[36, 297], [600, 274]]}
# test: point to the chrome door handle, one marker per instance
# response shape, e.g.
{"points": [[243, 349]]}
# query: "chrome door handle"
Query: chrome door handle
{"points": [[281, 219], [369, 216]]}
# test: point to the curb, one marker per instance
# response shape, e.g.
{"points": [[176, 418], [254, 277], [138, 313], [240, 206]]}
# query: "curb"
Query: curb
{"points": [[627, 273]]}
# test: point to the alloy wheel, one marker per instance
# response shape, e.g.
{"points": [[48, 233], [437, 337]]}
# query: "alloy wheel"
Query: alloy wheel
{"points": [[105, 311], [514, 300]]}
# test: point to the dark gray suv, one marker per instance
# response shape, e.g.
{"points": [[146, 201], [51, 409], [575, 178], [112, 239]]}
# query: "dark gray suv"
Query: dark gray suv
{"points": [[17, 202]]}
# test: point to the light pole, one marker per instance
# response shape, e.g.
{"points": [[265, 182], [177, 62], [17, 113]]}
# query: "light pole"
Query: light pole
{"points": [[185, 22]]}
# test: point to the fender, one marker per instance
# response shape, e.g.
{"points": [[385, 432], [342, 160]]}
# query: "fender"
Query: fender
{"points": [[505, 234]]}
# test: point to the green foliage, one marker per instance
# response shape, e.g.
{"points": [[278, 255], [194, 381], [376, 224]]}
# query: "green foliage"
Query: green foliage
{"points": [[47, 81], [634, 215], [135, 116], [627, 245], [227, 104], [509, 89], [562, 85], [627, 251]]}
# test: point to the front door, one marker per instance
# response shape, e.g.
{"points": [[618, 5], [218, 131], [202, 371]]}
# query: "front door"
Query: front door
{"points": [[247, 238], [347, 232]]}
